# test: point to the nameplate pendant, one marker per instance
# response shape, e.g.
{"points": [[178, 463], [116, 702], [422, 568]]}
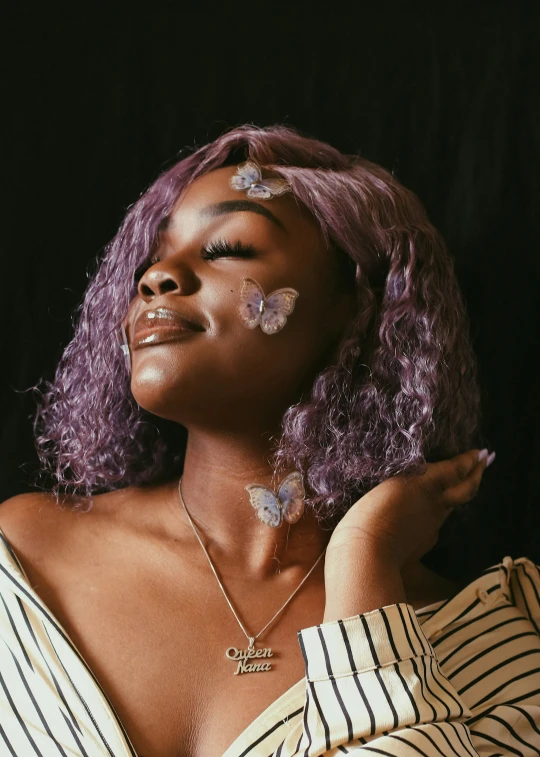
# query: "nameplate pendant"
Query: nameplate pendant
{"points": [[250, 660]]}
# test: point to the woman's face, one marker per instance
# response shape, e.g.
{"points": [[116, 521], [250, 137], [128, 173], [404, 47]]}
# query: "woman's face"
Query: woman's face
{"points": [[225, 375]]}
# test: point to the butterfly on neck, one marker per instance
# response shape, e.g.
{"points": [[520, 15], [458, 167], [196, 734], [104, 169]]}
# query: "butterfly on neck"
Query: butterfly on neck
{"points": [[272, 508]]}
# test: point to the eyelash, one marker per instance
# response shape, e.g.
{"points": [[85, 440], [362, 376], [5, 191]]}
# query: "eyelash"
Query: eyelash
{"points": [[221, 248]]}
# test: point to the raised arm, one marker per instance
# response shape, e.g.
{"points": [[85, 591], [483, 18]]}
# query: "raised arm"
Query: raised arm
{"points": [[373, 680]]}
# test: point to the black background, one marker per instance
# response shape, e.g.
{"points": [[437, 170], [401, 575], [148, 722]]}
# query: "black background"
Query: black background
{"points": [[96, 104]]}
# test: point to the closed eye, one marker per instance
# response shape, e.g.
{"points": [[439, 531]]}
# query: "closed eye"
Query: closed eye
{"points": [[221, 248]]}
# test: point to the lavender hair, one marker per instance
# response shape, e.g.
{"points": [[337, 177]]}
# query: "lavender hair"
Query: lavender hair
{"points": [[403, 387]]}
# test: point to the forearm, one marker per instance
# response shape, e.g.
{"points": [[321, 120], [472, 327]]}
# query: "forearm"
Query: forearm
{"points": [[360, 578]]}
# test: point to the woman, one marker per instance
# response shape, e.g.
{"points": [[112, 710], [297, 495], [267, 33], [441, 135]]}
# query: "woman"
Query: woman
{"points": [[230, 560]]}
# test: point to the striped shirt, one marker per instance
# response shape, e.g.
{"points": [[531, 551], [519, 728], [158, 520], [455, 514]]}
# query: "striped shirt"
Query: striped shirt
{"points": [[460, 677]]}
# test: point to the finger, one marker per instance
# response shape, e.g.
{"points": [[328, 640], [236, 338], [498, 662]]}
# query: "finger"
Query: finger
{"points": [[467, 489], [447, 474]]}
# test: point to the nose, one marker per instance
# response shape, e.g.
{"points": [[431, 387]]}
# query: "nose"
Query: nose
{"points": [[164, 278]]}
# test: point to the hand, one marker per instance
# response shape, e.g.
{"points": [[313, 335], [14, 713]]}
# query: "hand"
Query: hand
{"points": [[400, 518], [390, 527]]}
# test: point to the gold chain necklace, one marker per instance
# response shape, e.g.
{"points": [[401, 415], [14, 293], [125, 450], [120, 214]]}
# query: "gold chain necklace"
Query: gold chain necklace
{"points": [[249, 660]]}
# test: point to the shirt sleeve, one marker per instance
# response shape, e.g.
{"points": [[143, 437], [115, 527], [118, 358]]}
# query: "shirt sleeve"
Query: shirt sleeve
{"points": [[373, 682]]}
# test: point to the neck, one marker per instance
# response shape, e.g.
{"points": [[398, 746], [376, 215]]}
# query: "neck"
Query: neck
{"points": [[216, 470]]}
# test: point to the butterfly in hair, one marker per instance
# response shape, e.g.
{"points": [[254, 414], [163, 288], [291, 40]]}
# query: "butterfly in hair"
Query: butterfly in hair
{"points": [[269, 312], [248, 176], [287, 504]]}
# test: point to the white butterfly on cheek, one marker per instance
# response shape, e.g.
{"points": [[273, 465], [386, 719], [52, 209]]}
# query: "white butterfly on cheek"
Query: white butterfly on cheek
{"points": [[270, 313]]}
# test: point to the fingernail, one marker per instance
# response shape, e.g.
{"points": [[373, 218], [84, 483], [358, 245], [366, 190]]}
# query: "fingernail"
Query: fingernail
{"points": [[482, 454], [490, 459]]}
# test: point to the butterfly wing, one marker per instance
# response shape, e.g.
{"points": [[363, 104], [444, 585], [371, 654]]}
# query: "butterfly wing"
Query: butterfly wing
{"points": [[291, 496], [251, 297], [278, 306], [277, 186], [246, 174], [266, 188], [259, 192], [266, 505]]}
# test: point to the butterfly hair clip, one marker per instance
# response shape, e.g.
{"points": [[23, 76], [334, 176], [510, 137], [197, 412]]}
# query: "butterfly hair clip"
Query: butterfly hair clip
{"points": [[249, 177], [270, 313], [287, 504]]}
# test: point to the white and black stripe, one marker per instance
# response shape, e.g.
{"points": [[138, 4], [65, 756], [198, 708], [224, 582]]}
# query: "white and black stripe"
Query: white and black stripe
{"points": [[457, 679]]}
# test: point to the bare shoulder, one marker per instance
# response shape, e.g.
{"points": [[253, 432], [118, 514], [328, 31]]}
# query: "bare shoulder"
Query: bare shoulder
{"points": [[36, 524], [41, 527]]}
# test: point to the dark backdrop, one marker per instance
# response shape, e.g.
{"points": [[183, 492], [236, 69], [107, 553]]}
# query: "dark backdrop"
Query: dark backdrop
{"points": [[444, 94]]}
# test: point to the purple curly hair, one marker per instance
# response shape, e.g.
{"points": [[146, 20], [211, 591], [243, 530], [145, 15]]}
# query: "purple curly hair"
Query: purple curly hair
{"points": [[402, 389]]}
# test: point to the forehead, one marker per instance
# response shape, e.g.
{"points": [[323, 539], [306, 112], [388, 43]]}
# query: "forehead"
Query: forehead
{"points": [[209, 202]]}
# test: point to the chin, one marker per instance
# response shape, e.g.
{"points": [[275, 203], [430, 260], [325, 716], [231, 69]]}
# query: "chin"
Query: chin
{"points": [[160, 389]]}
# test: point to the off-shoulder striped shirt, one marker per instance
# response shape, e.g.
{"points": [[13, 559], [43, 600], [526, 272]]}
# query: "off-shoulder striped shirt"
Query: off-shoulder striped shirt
{"points": [[460, 677]]}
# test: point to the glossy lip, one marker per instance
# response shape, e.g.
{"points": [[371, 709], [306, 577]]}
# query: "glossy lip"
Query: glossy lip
{"points": [[162, 325]]}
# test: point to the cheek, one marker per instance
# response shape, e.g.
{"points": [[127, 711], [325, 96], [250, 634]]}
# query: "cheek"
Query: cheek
{"points": [[231, 364], [276, 360]]}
